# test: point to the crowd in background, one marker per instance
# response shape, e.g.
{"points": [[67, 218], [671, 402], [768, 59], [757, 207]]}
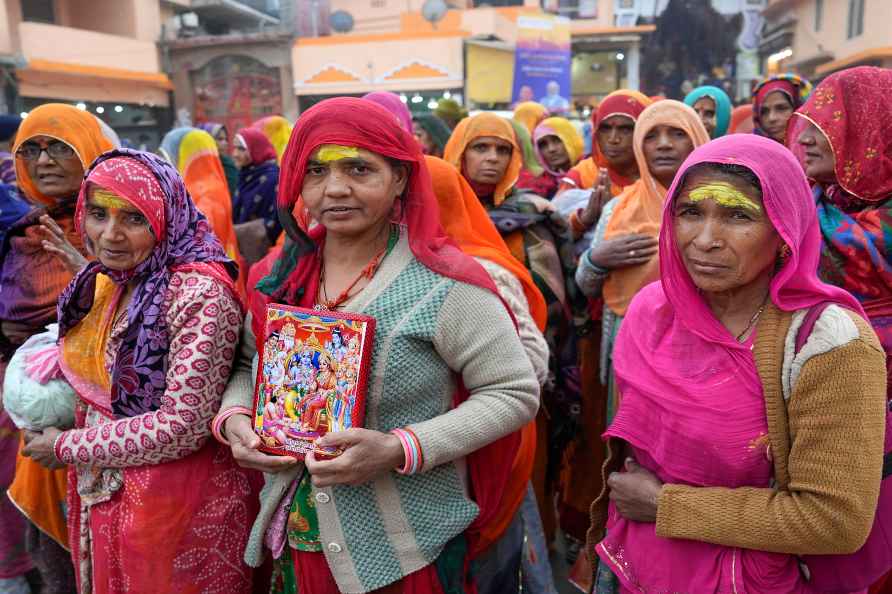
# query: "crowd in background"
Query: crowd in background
{"points": [[660, 338]]}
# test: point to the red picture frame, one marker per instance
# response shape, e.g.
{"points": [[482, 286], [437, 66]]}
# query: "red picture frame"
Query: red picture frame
{"points": [[312, 377]]}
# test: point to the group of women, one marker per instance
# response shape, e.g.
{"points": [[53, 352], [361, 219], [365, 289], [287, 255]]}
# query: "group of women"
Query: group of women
{"points": [[680, 295]]}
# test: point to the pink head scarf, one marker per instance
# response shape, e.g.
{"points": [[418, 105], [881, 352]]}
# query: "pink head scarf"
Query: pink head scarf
{"points": [[692, 402], [392, 103], [670, 336], [131, 179], [789, 205]]}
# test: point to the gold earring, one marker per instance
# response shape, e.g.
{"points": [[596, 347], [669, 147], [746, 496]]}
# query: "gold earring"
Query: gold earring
{"points": [[784, 254]]}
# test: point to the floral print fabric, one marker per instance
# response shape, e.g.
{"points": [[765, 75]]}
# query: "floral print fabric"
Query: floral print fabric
{"points": [[138, 377], [141, 483]]}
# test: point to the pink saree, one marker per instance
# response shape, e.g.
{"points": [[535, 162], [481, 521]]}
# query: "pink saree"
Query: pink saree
{"points": [[693, 409], [177, 526]]}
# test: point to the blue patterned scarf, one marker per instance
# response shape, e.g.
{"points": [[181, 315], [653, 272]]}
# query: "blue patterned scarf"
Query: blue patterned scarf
{"points": [[256, 197]]}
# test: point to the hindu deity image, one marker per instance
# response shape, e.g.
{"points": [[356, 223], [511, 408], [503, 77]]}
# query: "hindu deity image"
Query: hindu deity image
{"points": [[308, 378]]}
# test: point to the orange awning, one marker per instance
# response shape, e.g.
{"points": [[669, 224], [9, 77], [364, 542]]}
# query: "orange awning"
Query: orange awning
{"points": [[44, 78], [376, 37], [598, 30], [876, 53]]}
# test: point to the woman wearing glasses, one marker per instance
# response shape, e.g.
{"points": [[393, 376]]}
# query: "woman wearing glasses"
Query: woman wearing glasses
{"points": [[54, 145]]}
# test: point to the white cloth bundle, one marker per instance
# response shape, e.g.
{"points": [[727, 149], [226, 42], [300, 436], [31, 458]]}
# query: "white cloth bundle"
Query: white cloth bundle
{"points": [[35, 394]]}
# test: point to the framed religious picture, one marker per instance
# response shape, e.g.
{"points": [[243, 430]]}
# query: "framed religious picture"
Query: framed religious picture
{"points": [[312, 374]]}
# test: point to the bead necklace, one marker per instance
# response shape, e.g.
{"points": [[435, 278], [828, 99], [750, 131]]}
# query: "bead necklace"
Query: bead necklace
{"points": [[324, 303], [368, 272]]}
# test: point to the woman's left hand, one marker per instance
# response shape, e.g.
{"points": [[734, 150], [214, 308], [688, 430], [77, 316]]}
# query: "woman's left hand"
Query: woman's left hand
{"points": [[635, 492], [40, 447], [367, 455], [55, 242]]}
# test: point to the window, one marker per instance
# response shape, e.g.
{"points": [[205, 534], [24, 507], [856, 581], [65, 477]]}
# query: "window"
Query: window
{"points": [[39, 11], [856, 18], [819, 14]]}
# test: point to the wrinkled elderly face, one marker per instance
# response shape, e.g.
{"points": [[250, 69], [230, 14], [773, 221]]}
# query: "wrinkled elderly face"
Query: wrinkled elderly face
{"points": [[722, 231], [240, 153], [118, 234]]}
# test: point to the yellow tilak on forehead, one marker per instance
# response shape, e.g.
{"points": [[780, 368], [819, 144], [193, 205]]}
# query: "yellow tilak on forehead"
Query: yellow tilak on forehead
{"points": [[336, 152], [724, 194], [107, 199]]}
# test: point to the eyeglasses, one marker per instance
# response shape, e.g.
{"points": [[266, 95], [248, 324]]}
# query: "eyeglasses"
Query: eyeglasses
{"points": [[56, 151]]}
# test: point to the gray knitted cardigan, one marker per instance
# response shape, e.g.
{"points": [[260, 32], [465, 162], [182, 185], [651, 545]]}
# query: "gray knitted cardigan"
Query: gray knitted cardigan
{"points": [[428, 328]]}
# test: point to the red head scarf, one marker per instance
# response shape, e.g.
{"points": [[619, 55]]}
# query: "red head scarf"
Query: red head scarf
{"points": [[360, 123], [355, 122], [260, 149], [131, 179], [618, 103], [794, 87], [622, 102], [851, 108]]}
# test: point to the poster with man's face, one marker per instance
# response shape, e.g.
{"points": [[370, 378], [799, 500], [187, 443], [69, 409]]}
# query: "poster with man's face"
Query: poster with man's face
{"points": [[542, 62]]}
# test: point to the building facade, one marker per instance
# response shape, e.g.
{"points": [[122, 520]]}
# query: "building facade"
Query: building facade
{"points": [[466, 53], [818, 37], [230, 61], [100, 55]]}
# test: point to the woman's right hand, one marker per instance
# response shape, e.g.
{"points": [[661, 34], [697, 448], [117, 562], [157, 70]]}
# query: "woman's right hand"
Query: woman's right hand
{"points": [[623, 251], [55, 242], [599, 197], [244, 443]]}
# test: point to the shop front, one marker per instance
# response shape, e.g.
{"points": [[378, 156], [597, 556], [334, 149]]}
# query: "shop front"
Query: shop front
{"points": [[135, 104]]}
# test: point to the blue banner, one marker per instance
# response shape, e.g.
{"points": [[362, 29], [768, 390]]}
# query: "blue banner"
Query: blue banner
{"points": [[542, 62]]}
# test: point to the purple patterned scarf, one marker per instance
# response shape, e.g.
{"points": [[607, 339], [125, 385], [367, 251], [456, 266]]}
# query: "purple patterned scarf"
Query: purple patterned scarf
{"points": [[7, 168], [139, 375]]}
